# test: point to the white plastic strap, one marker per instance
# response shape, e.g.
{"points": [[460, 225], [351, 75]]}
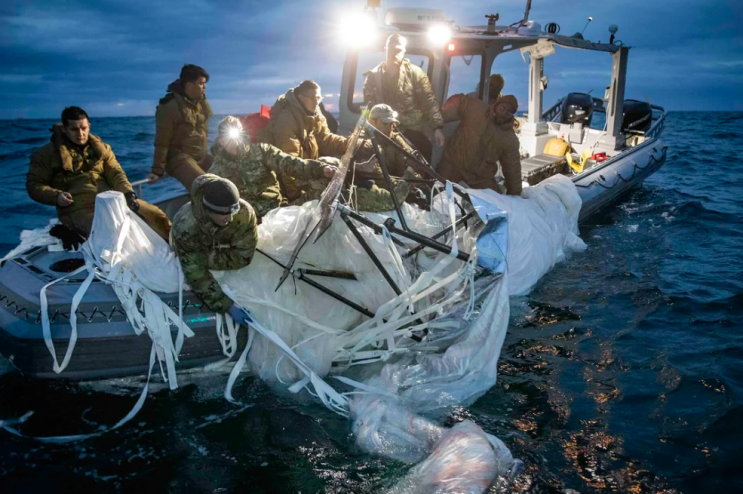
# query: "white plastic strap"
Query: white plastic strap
{"points": [[237, 369], [79, 437], [46, 326]]}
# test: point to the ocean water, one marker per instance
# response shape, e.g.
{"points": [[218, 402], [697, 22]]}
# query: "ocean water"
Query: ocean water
{"points": [[621, 371]]}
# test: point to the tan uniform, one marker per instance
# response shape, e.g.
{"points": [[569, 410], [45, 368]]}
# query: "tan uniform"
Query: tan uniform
{"points": [[181, 136], [302, 135], [472, 154], [84, 172]]}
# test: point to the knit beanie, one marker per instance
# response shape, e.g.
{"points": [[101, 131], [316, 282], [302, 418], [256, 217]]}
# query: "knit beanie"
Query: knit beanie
{"points": [[221, 197]]}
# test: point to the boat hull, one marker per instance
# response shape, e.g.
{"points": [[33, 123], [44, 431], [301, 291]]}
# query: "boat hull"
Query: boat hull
{"points": [[107, 345], [608, 182]]}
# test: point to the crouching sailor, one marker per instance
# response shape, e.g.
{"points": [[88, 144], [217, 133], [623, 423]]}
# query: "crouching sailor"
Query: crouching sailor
{"points": [[256, 169], [72, 169], [216, 230]]}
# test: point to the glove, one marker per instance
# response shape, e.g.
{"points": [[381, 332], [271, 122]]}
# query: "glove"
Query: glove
{"points": [[329, 160], [71, 240], [131, 201], [240, 315]]}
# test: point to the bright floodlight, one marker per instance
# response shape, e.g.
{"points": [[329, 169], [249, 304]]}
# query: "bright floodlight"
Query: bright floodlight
{"points": [[358, 29], [233, 133], [439, 34]]}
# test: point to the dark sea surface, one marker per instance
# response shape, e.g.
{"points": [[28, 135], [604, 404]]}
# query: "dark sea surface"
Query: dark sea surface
{"points": [[622, 370]]}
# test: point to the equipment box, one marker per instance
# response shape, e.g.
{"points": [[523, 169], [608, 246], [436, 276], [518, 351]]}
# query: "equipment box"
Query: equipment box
{"points": [[537, 168]]}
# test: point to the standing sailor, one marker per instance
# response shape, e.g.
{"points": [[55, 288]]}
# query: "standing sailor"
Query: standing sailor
{"points": [[72, 169], [216, 230], [183, 128], [406, 88]]}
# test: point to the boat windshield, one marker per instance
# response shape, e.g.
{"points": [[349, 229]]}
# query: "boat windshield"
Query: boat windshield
{"points": [[464, 74]]}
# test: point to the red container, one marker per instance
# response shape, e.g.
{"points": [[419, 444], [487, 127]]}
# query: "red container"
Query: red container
{"points": [[599, 157]]}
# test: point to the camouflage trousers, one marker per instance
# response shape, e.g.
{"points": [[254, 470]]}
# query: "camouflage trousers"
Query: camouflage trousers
{"points": [[81, 221], [374, 199]]}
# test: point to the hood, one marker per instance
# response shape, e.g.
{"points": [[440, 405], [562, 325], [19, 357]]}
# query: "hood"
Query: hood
{"points": [[63, 146], [174, 88], [290, 99]]}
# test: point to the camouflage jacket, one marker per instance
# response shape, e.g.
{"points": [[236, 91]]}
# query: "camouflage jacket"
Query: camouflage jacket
{"points": [[258, 170], [182, 126], [60, 166], [472, 154], [413, 99], [202, 245]]}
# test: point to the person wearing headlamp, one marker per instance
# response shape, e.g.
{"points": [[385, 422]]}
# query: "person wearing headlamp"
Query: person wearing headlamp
{"points": [[215, 231], [407, 89], [258, 169]]}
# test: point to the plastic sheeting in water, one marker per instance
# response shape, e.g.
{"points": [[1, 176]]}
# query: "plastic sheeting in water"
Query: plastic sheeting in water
{"points": [[390, 379]]}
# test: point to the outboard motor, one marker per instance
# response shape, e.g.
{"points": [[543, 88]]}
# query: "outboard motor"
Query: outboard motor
{"points": [[636, 116], [577, 108]]}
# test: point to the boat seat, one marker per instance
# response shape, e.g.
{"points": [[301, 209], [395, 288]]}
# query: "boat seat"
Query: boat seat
{"points": [[536, 168]]}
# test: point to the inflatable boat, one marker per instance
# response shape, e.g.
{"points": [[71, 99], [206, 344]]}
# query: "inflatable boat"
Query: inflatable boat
{"points": [[615, 157]]}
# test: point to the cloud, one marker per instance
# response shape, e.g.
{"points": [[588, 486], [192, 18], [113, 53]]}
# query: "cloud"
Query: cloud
{"points": [[100, 54]]}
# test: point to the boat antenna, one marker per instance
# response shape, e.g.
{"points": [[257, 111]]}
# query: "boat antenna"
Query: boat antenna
{"points": [[587, 23], [526, 13]]}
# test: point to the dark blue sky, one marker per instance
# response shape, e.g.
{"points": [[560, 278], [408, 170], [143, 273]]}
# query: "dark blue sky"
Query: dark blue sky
{"points": [[116, 58]]}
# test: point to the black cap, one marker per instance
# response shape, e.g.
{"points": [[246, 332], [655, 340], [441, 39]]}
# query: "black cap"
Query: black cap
{"points": [[221, 197]]}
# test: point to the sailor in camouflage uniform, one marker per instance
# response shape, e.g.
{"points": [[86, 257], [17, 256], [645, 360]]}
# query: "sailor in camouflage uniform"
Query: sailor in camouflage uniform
{"points": [[407, 89], [216, 230], [259, 170]]}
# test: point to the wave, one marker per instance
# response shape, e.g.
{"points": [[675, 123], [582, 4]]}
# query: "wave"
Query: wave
{"points": [[143, 137], [727, 135], [33, 140]]}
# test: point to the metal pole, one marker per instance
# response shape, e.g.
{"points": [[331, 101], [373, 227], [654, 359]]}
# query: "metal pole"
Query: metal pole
{"points": [[370, 253], [421, 239], [385, 171], [300, 276], [443, 232]]}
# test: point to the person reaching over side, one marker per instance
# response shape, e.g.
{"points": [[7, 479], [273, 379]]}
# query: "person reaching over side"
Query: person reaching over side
{"points": [[258, 169], [216, 230], [485, 137]]}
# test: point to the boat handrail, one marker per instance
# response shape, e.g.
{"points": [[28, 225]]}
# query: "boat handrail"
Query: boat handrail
{"points": [[658, 123], [552, 113], [137, 185]]}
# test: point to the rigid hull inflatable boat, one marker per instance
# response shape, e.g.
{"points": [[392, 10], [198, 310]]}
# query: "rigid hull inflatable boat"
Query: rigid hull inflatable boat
{"points": [[106, 345]]}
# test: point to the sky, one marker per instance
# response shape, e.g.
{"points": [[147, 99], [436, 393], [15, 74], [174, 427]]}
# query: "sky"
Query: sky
{"points": [[116, 58]]}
